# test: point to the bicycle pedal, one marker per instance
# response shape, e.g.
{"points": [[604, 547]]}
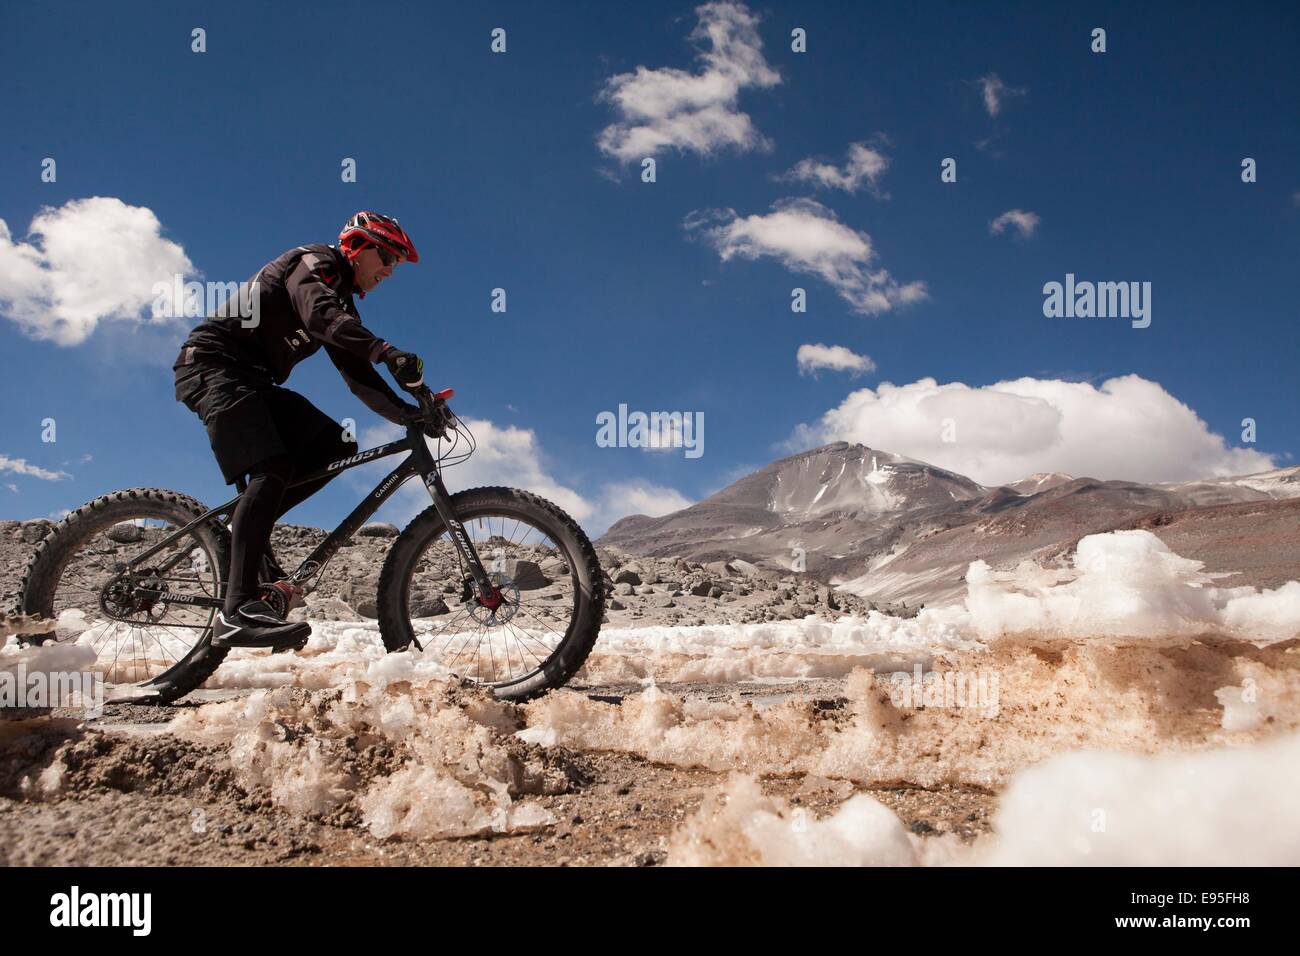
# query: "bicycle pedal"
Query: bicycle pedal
{"points": [[294, 645]]}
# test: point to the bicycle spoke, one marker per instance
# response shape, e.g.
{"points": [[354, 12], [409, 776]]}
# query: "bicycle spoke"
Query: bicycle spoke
{"points": [[543, 623], [523, 648]]}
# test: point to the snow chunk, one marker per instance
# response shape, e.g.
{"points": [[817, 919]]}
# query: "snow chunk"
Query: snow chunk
{"points": [[1125, 585], [406, 755], [740, 826], [1228, 807]]}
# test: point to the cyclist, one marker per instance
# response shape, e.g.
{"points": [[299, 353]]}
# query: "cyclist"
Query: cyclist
{"points": [[229, 372]]}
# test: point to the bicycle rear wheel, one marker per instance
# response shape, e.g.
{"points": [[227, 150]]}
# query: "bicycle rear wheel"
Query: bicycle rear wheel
{"points": [[548, 574], [149, 648]]}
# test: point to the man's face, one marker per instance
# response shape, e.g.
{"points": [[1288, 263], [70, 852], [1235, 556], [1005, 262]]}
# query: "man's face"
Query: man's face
{"points": [[369, 270]]}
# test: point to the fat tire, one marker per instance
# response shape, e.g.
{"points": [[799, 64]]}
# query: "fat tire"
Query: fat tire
{"points": [[584, 627]]}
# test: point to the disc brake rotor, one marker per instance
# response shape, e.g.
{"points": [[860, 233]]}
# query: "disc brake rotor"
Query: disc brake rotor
{"points": [[504, 610]]}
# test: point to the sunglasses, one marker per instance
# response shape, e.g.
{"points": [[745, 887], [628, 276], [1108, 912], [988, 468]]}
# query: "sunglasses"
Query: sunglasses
{"points": [[387, 256]]}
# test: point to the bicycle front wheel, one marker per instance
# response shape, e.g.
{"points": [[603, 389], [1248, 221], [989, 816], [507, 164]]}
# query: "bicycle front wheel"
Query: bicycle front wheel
{"points": [[538, 637]]}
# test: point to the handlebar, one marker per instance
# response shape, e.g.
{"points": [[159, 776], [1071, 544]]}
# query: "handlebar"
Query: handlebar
{"points": [[428, 399], [433, 409]]}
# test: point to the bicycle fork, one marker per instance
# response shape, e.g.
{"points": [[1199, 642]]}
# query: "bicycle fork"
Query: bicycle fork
{"points": [[489, 595]]}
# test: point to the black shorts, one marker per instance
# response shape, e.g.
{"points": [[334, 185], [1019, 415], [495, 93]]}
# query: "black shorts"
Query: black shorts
{"points": [[249, 420]]}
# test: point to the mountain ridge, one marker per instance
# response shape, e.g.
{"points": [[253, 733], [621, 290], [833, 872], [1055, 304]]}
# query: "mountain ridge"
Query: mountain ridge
{"points": [[893, 528]]}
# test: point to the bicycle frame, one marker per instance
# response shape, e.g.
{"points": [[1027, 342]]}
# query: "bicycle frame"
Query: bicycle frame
{"points": [[420, 462]]}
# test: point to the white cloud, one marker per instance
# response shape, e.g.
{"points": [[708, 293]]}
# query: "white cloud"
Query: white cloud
{"points": [[661, 109], [668, 433], [805, 236], [88, 261], [834, 357], [11, 486], [619, 499], [19, 466], [995, 92], [1128, 428], [864, 165], [1023, 222]]}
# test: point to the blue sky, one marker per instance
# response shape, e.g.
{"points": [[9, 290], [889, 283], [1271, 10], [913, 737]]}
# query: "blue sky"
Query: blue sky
{"points": [[1129, 162]]}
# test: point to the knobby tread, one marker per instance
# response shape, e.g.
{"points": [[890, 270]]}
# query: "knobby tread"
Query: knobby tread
{"points": [[51, 551]]}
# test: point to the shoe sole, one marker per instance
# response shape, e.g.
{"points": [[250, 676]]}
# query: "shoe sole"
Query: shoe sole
{"points": [[294, 639]]}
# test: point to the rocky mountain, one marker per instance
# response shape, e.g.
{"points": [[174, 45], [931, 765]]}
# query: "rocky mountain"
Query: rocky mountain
{"points": [[1041, 481], [1264, 486], [819, 502], [893, 530]]}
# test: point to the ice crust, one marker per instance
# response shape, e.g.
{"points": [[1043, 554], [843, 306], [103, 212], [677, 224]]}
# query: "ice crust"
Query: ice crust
{"points": [[414, 756]]}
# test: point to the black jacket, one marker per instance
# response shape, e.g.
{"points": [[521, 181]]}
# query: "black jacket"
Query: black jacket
{"points": [[303, 303]]}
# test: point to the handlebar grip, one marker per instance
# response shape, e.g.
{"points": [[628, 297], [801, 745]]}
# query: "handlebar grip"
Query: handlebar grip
{"points": [[428, 399]]}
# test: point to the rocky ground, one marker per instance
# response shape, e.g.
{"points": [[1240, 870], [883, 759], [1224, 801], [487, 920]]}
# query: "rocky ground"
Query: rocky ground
{"points": [[644, 591], [136, 797], [135, 793], [346, 755]]}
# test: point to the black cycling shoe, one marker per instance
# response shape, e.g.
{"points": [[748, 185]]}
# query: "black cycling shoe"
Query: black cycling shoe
{"points": [[255, 624]]}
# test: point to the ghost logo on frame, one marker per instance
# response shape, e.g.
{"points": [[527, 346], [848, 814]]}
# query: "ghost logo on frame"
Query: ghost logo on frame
{"points": [[75, 909]]}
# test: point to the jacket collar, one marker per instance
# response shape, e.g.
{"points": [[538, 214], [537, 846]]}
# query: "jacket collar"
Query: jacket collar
{"points": [[345, 270]]}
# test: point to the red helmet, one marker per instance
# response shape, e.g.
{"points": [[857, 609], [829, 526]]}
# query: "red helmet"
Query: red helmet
{"points": [[372, 229]]}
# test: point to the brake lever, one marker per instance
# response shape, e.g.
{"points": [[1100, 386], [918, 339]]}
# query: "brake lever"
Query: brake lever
{"points": [[429, 400]]}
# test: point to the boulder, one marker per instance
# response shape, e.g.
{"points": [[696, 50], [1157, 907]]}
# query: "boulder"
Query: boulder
{"points": [[427, 604], [324, 608], [378, 529], [125, 533], [626, 576], [702, 589], [624, 588], [528, 576], [35, 530], [663, 600], [359, 593]]}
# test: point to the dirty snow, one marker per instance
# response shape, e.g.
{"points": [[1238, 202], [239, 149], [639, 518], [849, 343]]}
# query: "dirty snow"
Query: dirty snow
{"points": [[413, 755], [1139, 709], [1127, 585]]}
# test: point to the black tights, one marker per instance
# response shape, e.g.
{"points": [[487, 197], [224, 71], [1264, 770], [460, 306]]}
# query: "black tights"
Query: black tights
{"points": [[266, 498]]}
